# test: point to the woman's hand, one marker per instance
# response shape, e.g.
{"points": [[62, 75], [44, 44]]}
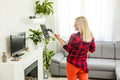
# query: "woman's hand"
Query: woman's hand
{"points": [[57, 36]]}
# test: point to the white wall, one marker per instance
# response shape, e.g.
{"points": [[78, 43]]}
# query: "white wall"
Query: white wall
{"points": [[118, 20], [14, 18]]}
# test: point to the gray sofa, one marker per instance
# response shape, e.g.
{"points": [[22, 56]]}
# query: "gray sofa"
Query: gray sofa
{"points": [[104, 63]]}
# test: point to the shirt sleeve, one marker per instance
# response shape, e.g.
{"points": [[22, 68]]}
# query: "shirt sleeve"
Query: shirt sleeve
{"points": [[68, 47], [92, 46]]}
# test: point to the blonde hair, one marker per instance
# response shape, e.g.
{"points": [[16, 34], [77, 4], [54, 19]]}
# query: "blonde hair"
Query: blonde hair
{"points": [[82, 25]]}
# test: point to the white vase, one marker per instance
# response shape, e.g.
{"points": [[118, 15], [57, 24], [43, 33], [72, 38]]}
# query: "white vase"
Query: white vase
{"points": [[46, 74], [39, 15], [39, 19]]}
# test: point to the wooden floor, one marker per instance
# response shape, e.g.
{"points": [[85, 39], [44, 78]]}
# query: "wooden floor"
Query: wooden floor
{"points": [[62, 78]]}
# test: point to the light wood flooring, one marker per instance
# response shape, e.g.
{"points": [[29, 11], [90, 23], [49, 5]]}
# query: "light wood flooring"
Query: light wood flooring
{"points": [[63, 78]]}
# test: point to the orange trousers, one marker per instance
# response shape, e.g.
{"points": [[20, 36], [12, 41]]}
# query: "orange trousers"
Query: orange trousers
{"points": [[73, 73]]}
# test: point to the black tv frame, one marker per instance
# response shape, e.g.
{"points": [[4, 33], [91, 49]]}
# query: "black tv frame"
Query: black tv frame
{"points": [[17, 44]]}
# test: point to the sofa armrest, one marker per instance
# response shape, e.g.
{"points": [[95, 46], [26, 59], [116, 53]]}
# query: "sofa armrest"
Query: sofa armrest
{"points": [[118, 72], [57, 57]]}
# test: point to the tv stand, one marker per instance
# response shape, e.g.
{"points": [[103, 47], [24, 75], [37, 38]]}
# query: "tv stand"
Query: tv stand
{"points": [[16, 70], [17, 57], [20, 54]]}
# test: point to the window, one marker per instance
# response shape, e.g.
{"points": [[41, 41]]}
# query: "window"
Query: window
{"points": [[99, 13]]}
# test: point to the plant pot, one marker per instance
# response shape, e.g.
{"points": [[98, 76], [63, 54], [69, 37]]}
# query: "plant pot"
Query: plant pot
{"points": [[46, 72], [39, 16], [39, 19]]}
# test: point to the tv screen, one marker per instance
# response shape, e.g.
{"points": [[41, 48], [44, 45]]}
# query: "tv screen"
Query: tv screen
{"points": [[17, 43]]}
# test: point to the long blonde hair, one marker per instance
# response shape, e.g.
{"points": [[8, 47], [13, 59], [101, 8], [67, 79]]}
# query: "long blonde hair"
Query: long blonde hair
{"points": [[82, 25]]}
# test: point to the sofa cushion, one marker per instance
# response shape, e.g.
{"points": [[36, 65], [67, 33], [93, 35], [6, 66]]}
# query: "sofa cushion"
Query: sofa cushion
{"points": [[63, 62], [117, 50], [104, 49], [108, 50], [95, 64], [102, 75], [66, 39], [57, 57], [101, 64], [97, 53], [65, 53]]}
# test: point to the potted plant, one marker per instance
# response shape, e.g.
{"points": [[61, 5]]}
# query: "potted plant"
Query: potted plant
{"points": [[47, 54], [44, 8], [37, 37]]}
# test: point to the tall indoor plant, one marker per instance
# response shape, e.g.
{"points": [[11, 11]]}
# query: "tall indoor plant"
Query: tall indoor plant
{"points": [[37, 37]]}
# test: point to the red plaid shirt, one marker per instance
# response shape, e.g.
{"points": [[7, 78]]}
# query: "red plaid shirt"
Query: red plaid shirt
{"points": [[78, 50]]}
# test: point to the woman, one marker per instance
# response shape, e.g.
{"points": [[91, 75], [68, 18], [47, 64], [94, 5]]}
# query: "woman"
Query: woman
{"points": [[79, 45]]}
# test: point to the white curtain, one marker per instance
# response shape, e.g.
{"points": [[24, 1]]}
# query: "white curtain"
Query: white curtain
{"points": [[99, 13]]}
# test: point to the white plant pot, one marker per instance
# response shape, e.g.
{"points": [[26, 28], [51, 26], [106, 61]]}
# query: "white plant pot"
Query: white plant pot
{"points": [[40, 16], [46, 72], [39, 19]]}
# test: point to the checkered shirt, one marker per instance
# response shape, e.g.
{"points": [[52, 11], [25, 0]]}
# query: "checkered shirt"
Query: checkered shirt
{"points": [[78, 50]]}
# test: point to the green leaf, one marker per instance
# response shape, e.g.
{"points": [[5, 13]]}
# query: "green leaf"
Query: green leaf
{"points": [[47, 55]]}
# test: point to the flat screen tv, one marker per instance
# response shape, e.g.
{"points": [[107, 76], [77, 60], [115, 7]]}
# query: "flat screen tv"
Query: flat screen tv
{"points": [[17, 44]]}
